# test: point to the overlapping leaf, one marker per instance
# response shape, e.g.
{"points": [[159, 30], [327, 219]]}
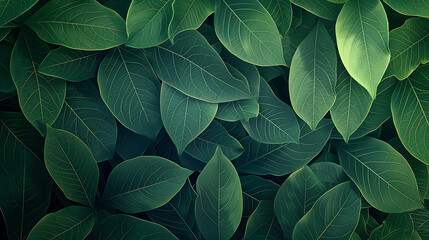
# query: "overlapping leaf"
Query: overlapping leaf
{"points": [[262, 224], [281, 12], [9, 10], [410, 7], [321, 8]]}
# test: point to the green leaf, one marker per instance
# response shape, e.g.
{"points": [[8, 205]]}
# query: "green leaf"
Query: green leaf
{"points": [[130, 144], [147, 22], [410, 7], [320, 8], [79, 24], [71, 65], [184, 117], [295, 198], [351, 106], [281, 12], [25, 183], [383, 176], [313, 76], [276, 122], [130, 89], [6, 82], [40, 97], [9, 10], [85, 115], [281, 159], [409, 46], [334, 215], [122, 226], [255, 190], [119, 6], [188, 15], [248, 31], [396, 226], [178, 215], [363, 41], [421, 223], [262, 224], [72, 166], [204, 145], [5, 30], [329, 173], [354, 236], [144, 183], [219, 205], [410, 112], [74, 222]]}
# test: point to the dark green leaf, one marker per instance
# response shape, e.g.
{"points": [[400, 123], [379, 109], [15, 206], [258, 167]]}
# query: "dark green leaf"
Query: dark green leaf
{"points": [[320, 8], [262, 224], [329, 173], [6, 82], [421, 223], [396, 226], [130, 144], [281, 12], [12, 9]]}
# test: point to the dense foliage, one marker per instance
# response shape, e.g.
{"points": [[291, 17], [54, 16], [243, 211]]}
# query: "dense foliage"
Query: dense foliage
{"points": [[214, 119]]}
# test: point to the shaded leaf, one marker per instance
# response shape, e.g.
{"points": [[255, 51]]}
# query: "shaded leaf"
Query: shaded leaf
{"points": [[329, 173], [421, 223], [281, 12], [396, 226], [320, 8], [130, 144], [262, 224], [410, 7], [6, 82], [13, 9]]}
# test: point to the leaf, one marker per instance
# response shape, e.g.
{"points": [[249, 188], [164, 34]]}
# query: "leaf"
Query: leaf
{"points": [[40, 97], [281, 12], [262, 224], [6, 29], [178, 215], [410, 7], [313, 75], [362, 37], [9, 10], [256, 189], [73, 222], [320, 8], [79, 24], [71, 65], [295, 198], [25, 184], [281, 159], [329, 173], [204, 145], [119, 6], [130, 89], [276, 122], [382, 175], [188, 15], [129, 144], [421, 223], [184, 117], [122, 226], [396, 226], [219, 205], [333, 216], [147, 22], [194, 68], [410, 113], [248, 31], [351, 106], [143, 183], [72, 166], [6, 82]]}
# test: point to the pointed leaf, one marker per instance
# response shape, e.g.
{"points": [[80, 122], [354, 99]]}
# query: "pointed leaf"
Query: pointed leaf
{"points": [[263, 224], [410, 7], [9, 10], [320, 8], [281, 12]]}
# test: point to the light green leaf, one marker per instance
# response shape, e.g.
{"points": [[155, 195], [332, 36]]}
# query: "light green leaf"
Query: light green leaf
{"points": [[351, 106], [6, 82], [188, 14], [184, 117], [178, 215], [383, 176], [219, 205], [72, 166], [71, 65], [281, 12], [144, 183], [320, 8], [122, 226], [363, 41], [329, 173], [193, 67], [396, 226], [409, 46], [40, 97], [130, 89], [79, 24], [295, 198], [248, 31], [147, 22], [74, 222], [85, 115], [410, 112], [410, 7], [262, 224], [11, 9], [204, 145], [24, 182], [276, 122], [313, 74], [281, 159], [335, 215]]}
